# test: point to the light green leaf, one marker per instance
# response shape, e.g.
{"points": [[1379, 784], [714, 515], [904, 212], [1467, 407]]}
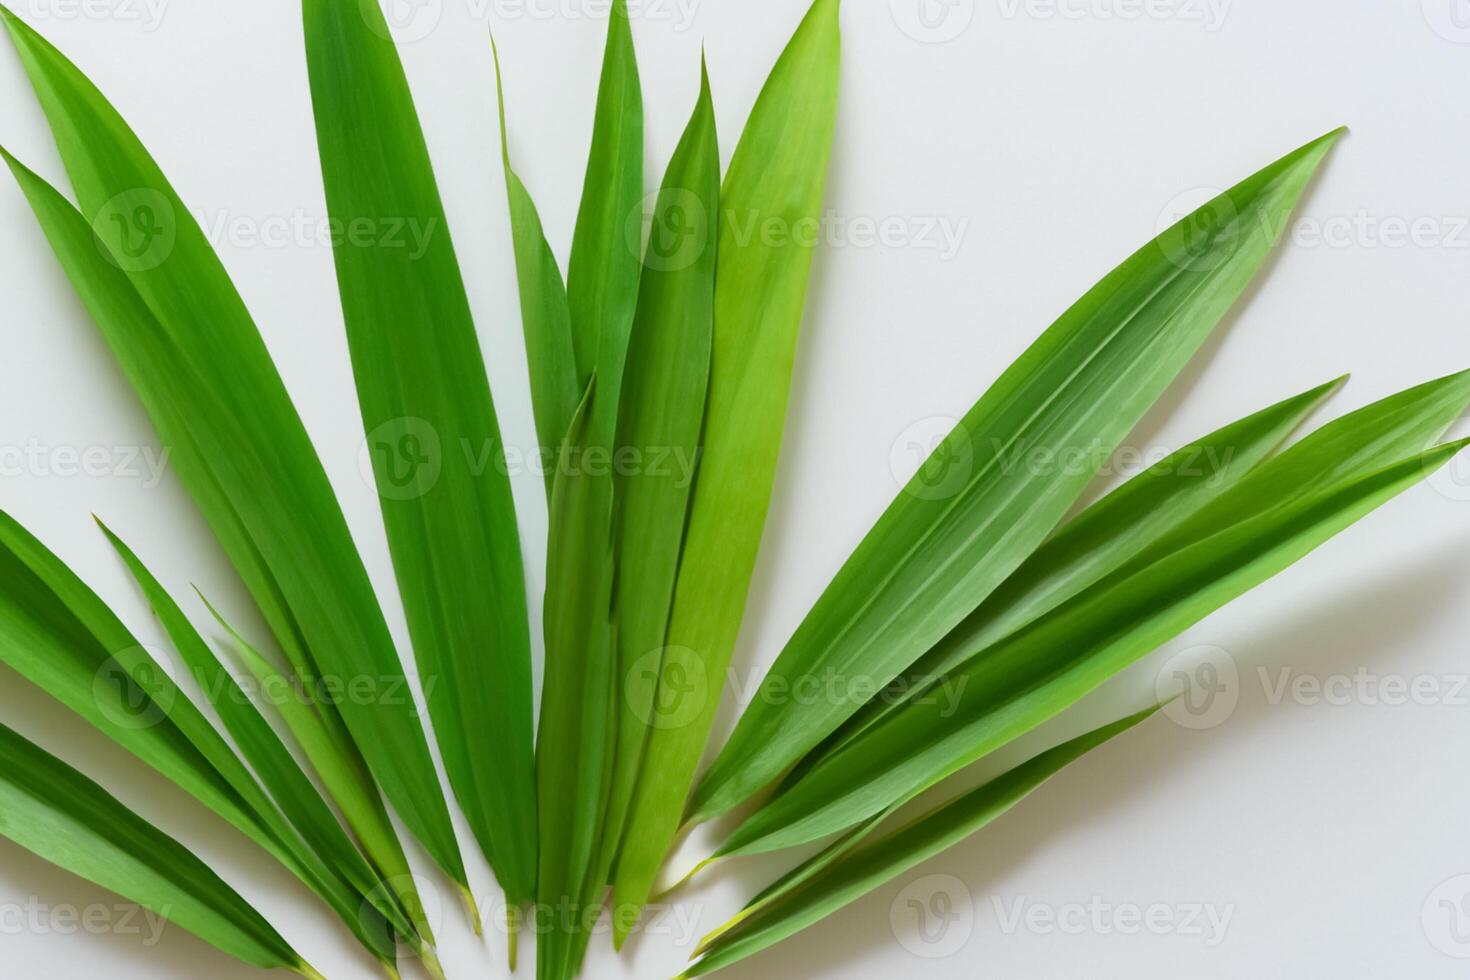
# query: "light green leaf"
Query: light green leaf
{"points": [[545, 317], [1034, 674], [1098, 541], [979, 507], [602, 275], [574, 749], [432, 432], [664, 391], [776, 180], [268, 756], [58, 634], [341, 771], [55, 812], [193, 352], [852, 868]]}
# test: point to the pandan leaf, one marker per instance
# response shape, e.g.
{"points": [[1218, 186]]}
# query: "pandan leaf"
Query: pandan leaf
{"points": [[160, 378], [852, 868], [267, 755], [421, 382], [240, 446], [664, 391], [545, 317], [1034, 674], [574, 750], [58, 634], [602, 275], [55, 812], [1098, 541], [776, 180], [342, 772], [979, 507]]}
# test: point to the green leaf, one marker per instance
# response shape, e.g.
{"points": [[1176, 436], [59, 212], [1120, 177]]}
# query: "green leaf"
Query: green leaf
{"points": [[341, 771], [546, 320], [58, 634], [664, 391], [267, 755], [432, 431], [1093, 544], [845, 872], [1034, 674], [574, 750], [602, 275], [776, 179], [980, 506], [193, 352], [55, 812]]}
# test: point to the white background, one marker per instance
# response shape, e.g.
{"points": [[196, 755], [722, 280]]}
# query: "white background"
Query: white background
{"points": [[1053, 139]]}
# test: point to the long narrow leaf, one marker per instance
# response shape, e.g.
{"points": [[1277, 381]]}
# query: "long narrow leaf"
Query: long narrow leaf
{"points": [[1093, 544], [574, 751], [267, 755], [1036, 673], [776, 179], [55, 812], [831, 881], [971, 516], [215, 395], [545, 317], [662, 414], [57, 633], [432, 432]]}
